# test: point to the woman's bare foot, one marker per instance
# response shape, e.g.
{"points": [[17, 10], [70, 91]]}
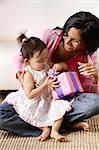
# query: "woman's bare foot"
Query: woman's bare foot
{"points": [[57, 136], [1, 100], [81, 125], [45, 134]]}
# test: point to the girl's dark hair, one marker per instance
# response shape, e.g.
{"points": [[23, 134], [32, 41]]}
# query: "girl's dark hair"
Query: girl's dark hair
{"points": [[30, 45], [89, 27]]}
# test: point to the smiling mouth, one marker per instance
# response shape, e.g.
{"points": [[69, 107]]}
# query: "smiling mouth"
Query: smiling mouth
{"points": [[69, 49]]}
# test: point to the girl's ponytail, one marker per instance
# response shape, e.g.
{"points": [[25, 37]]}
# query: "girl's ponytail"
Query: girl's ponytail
{"points": [[22, 37]]}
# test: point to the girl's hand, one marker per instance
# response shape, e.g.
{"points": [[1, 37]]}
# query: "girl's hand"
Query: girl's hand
{"points": [[50, 83], [88, 69]]}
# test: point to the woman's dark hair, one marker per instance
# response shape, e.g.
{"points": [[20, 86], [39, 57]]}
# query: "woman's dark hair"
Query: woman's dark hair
{"points": [[30, 45], [89, 26]]}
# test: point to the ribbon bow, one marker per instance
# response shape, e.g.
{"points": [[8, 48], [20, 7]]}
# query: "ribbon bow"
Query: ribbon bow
{"points": [[52, 73]]}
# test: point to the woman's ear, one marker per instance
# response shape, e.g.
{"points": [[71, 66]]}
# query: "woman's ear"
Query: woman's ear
{"points": [[26, 61]]}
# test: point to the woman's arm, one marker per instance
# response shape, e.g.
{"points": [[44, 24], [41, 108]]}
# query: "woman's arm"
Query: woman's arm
{"points": [[18, 65], [89, 70]]}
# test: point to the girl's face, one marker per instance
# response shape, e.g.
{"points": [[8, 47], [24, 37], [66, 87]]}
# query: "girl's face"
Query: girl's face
{"points": [[72, 40], [39, 60]]}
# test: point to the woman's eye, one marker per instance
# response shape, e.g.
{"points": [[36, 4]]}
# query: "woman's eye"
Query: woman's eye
{"points": [[39, 61], [65, 35], [76, 41]]}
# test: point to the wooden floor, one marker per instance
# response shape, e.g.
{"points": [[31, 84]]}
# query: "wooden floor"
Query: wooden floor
{"points": [[78, 140]]}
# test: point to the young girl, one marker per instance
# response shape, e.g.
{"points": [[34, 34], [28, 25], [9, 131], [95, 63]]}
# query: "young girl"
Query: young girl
{"points": [[33, 102]]}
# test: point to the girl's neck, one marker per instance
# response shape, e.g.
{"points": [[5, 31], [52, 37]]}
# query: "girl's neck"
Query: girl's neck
{"points": [[35, 69]]}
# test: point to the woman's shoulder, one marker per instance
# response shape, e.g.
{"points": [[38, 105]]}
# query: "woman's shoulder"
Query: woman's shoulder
{"points": [[44, 35], [94, 57], [53, 31]]}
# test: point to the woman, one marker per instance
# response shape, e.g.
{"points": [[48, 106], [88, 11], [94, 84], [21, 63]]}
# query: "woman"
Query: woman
{"points": [[71, 48]]}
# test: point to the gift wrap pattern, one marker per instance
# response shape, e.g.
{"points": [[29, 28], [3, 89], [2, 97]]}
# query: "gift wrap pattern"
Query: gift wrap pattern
{"points": [[69, 84]]}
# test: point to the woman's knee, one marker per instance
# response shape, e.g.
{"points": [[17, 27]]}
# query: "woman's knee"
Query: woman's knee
{"points": [[87, 104], [2, 122], [92, 107], [5, 113]]}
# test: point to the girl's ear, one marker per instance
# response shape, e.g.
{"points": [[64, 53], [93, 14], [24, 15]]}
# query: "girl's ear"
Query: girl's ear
{"points": [[26, 61]]}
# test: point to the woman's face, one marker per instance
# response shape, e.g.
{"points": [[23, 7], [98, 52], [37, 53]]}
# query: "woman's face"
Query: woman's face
{"points": [[72, 40]]}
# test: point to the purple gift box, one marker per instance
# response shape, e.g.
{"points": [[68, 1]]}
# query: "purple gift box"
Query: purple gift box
{"points": [[69, 84]]}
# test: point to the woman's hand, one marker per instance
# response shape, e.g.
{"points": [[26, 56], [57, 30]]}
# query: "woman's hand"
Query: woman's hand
{"points": [[20, 77], [59, 67], [88, 69]]}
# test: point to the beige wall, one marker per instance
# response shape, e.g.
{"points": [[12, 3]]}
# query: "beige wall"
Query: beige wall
{"points": [[33, 15]]}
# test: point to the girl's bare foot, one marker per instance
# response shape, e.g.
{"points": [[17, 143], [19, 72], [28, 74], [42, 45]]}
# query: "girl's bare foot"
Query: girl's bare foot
{"points": [[81, 125], [44, 135], [57, 136]]}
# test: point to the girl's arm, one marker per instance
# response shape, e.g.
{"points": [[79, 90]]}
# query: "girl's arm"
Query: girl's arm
{"points": [[29, 85]]}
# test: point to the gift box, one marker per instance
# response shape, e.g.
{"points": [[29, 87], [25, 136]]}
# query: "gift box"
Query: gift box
{"points": [[69, 84]]}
